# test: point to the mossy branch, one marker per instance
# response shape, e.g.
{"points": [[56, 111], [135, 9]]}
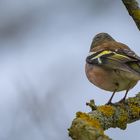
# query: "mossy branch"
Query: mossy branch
{"points": [[91, 126], [133, 9]]}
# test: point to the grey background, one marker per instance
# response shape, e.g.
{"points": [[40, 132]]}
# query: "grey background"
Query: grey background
{"points": [[43, 45]]}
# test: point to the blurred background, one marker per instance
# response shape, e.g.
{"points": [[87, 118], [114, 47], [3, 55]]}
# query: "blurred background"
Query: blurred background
{"points": [[43, 46]]}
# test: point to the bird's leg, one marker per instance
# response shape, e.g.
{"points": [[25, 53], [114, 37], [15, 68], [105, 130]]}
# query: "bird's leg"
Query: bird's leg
{"points": [[123, 99], [109, 102]]}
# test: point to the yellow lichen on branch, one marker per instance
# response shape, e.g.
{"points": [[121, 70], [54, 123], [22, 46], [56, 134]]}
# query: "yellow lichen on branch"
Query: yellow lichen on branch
{"points": [[106, 110], [84, 127], [91, 126], [90, 121]]}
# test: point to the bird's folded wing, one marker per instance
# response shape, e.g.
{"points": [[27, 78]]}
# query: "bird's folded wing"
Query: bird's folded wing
{"points": [[116, 60]]}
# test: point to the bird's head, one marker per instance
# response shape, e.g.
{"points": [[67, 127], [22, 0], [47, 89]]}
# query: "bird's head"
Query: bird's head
{"points": [[100, 38]]}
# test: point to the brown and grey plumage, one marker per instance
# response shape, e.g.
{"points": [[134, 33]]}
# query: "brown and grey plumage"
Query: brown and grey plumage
{"points": [[112, 65]]}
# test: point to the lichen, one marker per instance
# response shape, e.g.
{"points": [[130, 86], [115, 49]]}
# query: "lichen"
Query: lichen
{"points": [[134, 106], [122, 119], [136, 14], [85, 127], [134, 101], [135, 110], [90, 121], [106, 110], [91, 126]]}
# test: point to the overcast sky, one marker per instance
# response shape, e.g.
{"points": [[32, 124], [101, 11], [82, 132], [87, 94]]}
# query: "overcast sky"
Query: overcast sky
{"points": [[43, 46]]}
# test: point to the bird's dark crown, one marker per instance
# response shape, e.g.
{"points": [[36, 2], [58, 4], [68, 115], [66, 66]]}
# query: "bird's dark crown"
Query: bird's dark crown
{"points": [[101, 38]]}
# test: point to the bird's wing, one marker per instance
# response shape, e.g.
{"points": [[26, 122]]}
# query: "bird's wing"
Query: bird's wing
{"points": [[117, 59], [129, 53], [134, 62]]}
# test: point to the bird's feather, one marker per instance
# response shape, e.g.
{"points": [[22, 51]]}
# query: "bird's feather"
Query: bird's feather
{"points": [[121, 60]]}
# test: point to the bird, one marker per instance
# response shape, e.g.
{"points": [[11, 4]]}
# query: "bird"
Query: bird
{"points": [[112, 65]]}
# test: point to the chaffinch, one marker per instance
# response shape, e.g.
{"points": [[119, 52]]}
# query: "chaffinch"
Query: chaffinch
{"points": [[111, 65]]}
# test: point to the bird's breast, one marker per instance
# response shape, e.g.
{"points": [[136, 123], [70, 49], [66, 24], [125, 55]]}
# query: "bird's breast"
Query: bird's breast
{"points": [[108, 79]]}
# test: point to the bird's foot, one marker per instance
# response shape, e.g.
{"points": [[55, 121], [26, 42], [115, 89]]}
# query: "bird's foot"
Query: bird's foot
{"points": [[109, 103], [122, 100]]}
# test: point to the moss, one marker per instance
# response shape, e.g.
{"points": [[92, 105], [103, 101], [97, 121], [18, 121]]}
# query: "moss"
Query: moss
{"points": [[90, 121], [106, 110]]}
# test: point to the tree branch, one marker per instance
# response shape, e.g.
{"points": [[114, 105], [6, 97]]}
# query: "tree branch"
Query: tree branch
{"points": [[133, 10], [91, 126]]}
